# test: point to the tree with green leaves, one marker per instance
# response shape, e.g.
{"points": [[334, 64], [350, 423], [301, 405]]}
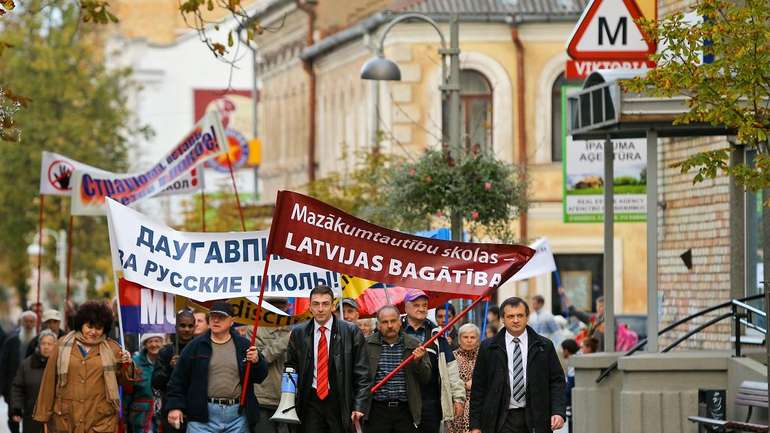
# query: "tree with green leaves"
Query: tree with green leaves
{"points": [[420, 194], [76, 107], [488, 194], [731, 89]]}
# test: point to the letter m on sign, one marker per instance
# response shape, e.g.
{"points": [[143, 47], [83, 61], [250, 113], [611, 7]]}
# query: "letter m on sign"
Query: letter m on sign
{"points": [[612, 37], [156, 310], [608, 31]]}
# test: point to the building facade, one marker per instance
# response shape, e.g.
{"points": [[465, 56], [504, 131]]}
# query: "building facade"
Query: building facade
{"points": [[513, 59]]}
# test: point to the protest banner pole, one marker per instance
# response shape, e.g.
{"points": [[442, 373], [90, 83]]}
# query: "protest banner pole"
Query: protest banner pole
{"points": [[69, 267], [235, 189], [255, 328], [203, 210], [269, 252], [432, 339], [120, 312], [484, 320], [39, 258]]}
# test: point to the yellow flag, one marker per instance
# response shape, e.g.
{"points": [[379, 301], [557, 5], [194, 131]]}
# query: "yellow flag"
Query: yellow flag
{"points": [[353, 287]]}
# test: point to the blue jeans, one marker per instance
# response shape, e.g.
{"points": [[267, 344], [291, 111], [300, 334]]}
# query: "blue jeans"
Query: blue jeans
{"points": [[222, 419]]}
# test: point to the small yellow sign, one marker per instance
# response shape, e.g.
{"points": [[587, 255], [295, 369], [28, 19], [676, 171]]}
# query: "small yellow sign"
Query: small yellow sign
{"points": [[255, 152]]}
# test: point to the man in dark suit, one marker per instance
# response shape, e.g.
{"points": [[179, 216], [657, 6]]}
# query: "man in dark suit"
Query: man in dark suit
{"points": [[329, 356], [531, 397]]}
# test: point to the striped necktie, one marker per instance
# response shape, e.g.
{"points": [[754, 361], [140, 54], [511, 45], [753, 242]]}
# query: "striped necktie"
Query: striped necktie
{"points": [[519, 384], [322, 367]]}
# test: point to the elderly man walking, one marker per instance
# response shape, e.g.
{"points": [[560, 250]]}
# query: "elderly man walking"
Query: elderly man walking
{"points": [[13, 352], [206, 383], [396, 407], [443, 396]]}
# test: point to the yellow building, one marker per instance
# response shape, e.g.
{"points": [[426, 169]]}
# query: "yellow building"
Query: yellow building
{"points": [[315, 109]]}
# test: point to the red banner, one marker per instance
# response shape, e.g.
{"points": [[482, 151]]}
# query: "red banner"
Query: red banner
{"points": [[309, 231]]}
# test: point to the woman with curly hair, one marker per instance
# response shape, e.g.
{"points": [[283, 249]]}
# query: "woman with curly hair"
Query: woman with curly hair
{"points": [[79, 390]]}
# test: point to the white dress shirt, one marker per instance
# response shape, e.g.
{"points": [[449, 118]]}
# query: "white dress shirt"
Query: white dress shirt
{"points": [[509, 347], [316, 337]]}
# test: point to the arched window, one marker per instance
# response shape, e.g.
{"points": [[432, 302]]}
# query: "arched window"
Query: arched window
{"points": [[557, 114], [475, 111]]}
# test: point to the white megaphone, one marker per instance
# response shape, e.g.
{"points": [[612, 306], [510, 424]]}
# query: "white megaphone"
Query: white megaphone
{"points": [[287, 410]]}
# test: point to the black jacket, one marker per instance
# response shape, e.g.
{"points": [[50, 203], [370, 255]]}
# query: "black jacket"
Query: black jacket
{"points": [[491, 390], [417, 372], [24, 391], [161, 374], [351, 366], [9, 363], [188, 387]]}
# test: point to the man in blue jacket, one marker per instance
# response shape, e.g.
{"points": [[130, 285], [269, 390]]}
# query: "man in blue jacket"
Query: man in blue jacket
{"points": [[206, 384]]}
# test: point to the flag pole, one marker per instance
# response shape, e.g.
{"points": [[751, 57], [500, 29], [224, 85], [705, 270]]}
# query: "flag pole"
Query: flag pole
{"points": [[254, 329], [433, 338], [269, 253], [69, 267], [39, 307], [203, 210], [484, 320], [237, 198]]}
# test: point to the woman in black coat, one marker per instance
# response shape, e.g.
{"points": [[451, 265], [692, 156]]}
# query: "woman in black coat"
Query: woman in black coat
{"points": [[27, 383]]}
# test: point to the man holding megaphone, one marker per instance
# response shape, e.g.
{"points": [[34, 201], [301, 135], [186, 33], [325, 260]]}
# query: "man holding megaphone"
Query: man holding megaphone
{"points": [[329, 358]]}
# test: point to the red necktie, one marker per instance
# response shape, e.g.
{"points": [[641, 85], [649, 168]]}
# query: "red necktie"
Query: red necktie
{"points": [[322, 368]]}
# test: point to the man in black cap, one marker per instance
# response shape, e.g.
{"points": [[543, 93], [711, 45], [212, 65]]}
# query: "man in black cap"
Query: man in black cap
{"points": [[206, 384], [350, 310]]}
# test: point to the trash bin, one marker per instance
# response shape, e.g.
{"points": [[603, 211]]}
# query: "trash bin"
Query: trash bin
{"points": [[712, 403]]}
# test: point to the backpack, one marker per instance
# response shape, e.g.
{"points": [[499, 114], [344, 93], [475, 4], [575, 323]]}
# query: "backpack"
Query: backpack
{"points": [[625, 338]]}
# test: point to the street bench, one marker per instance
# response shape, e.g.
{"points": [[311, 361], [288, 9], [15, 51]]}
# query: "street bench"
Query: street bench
{"points": [[750, 394]]}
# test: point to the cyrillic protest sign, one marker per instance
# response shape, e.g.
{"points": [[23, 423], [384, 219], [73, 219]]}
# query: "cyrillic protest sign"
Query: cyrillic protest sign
{"points": [[203, 266], [90, 189], [145, 310], [309, 231], [56, 175]]}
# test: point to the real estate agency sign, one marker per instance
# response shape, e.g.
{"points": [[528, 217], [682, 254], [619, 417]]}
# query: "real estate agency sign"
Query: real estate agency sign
{"points": [[583, 176], [608, 37]]}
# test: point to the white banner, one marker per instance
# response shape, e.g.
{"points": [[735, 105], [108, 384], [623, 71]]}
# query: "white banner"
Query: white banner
{"points": [[541, 263], [56, 175], [89, 189], [203, 266]]}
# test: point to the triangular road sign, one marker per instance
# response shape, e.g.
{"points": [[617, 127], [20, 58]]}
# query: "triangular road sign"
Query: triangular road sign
{"points": [[607, 30]]}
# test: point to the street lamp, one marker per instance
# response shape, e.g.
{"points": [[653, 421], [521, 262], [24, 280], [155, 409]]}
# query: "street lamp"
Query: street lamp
{"points": [[381, 69], [61, 250]]}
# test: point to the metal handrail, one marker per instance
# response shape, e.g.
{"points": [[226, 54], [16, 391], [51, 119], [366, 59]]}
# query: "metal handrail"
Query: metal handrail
{"points": [[734, 303]]}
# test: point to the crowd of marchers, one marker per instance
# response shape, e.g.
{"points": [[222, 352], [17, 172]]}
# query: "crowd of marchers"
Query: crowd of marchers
{"points": [[511, 379]]}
